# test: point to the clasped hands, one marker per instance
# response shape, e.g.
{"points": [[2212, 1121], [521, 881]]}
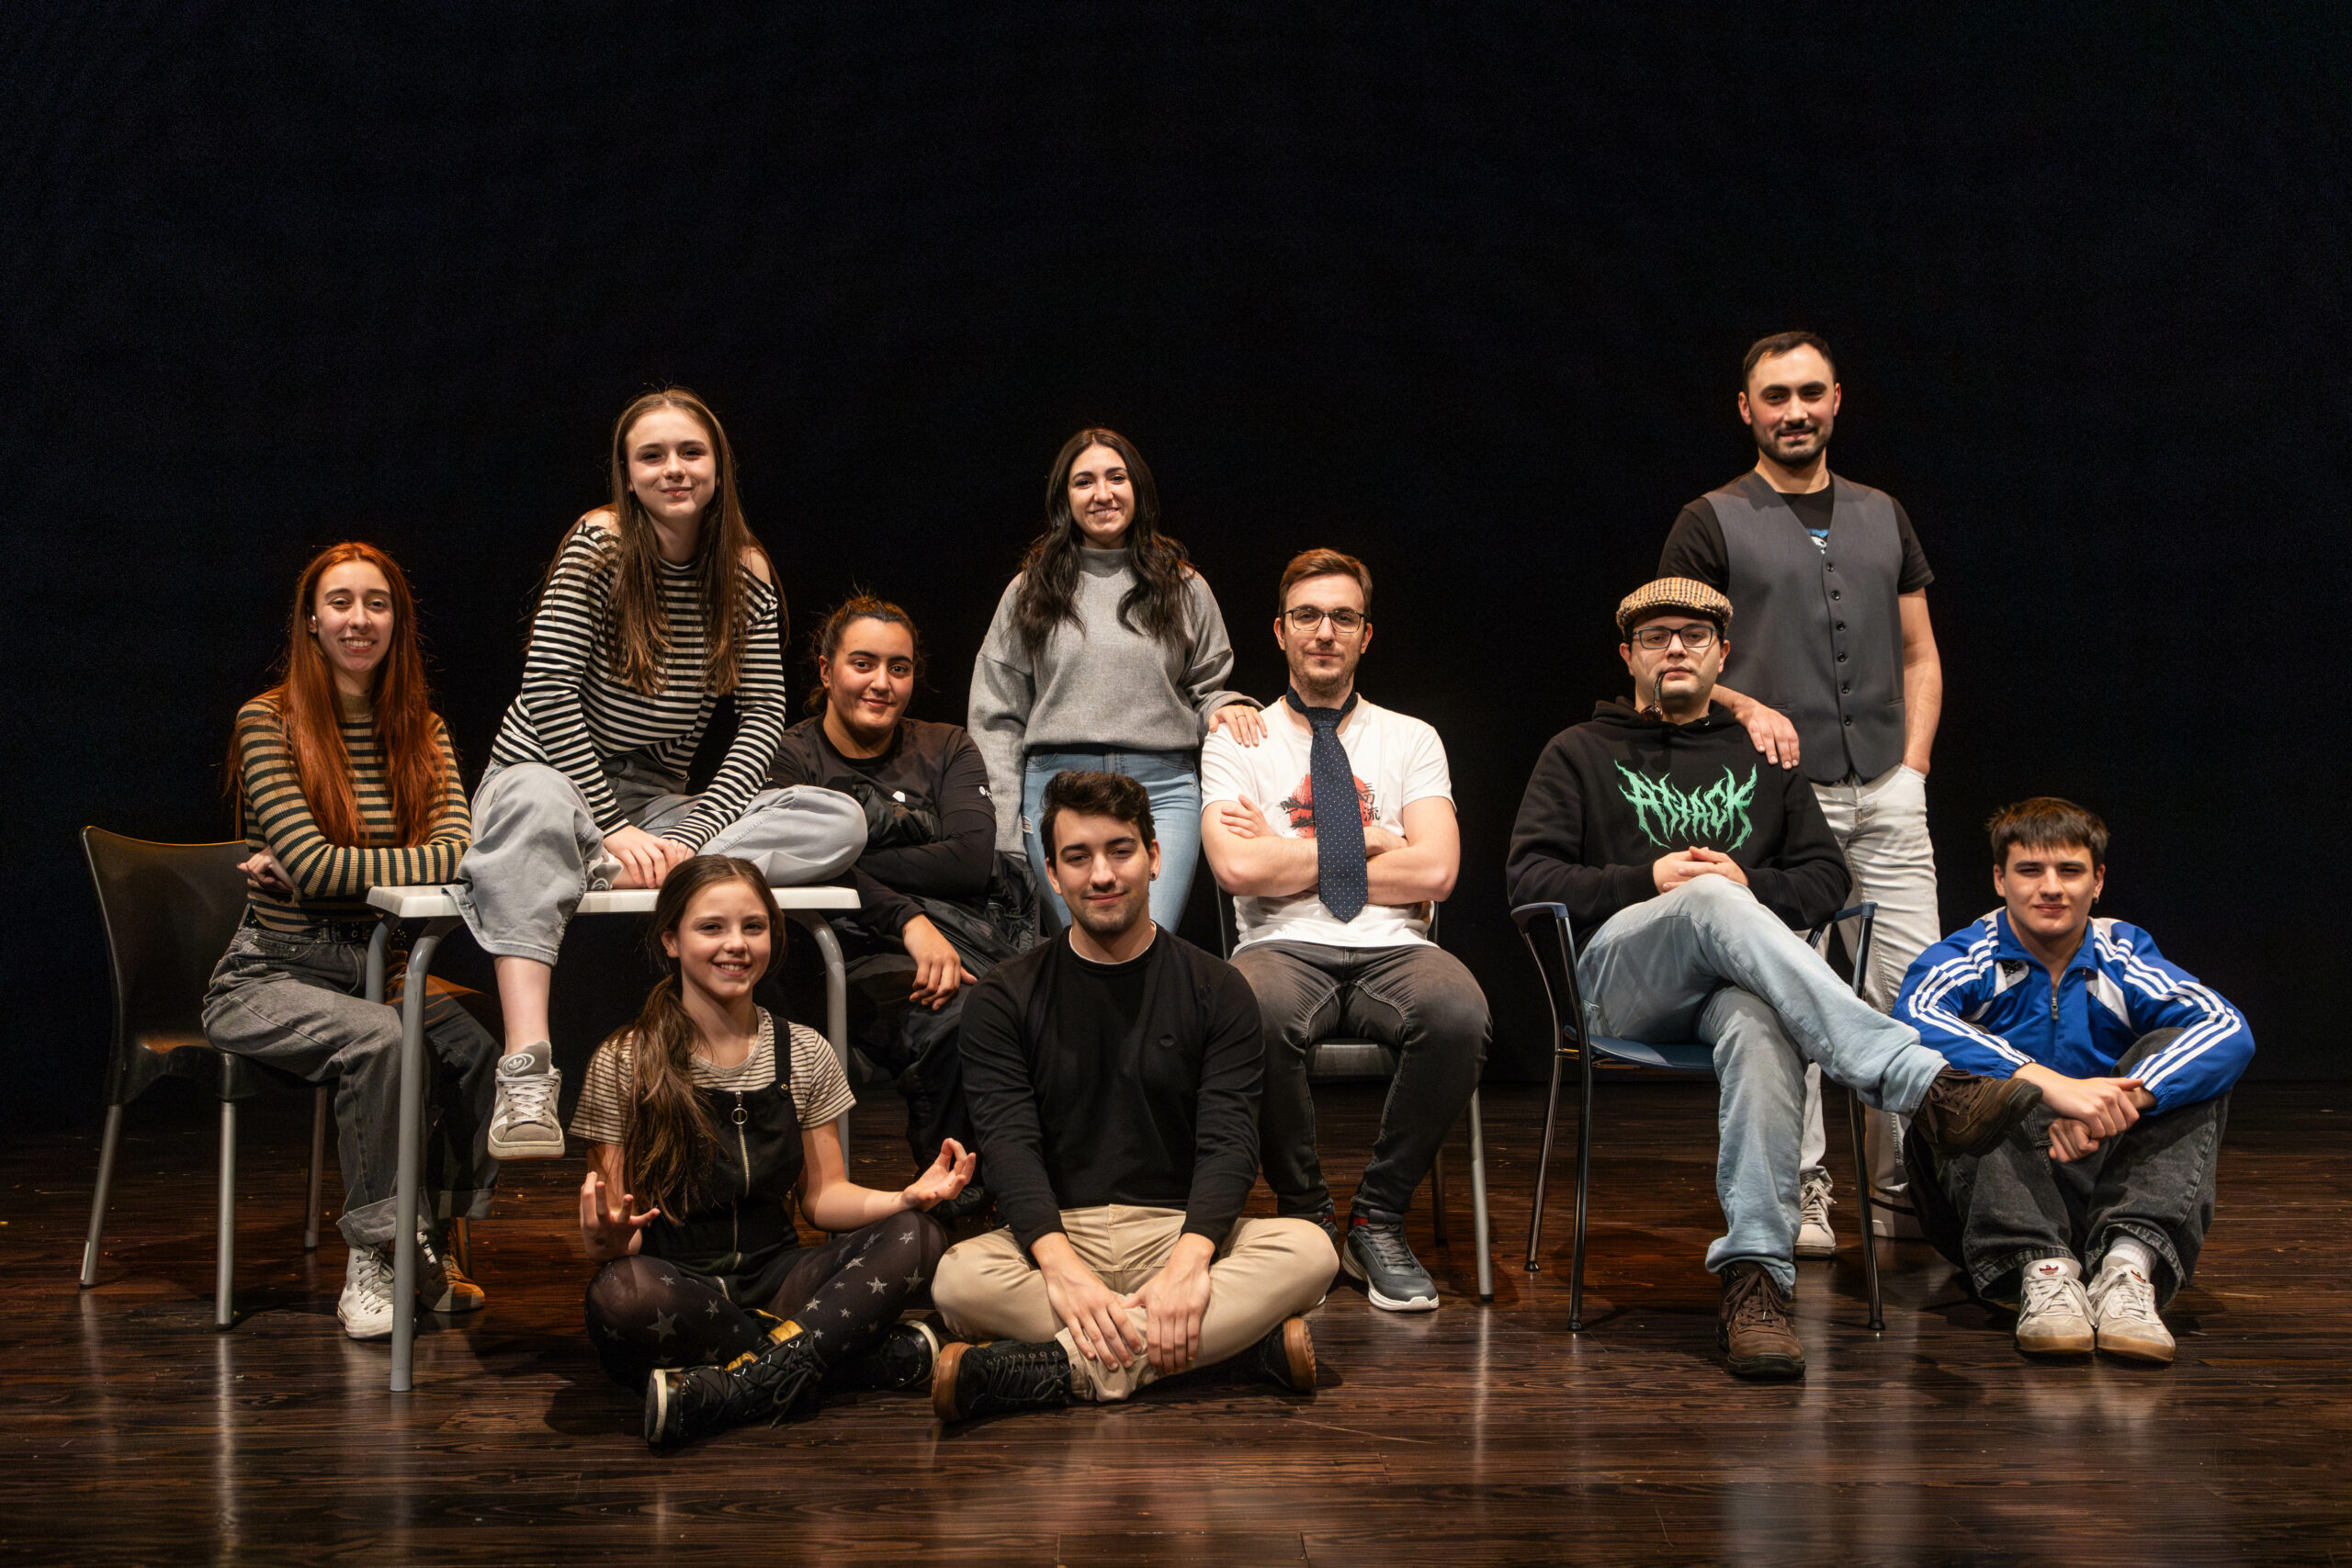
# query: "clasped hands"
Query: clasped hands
{"points": [[2087, 1110], [1670, 872], [1102, 1319]]}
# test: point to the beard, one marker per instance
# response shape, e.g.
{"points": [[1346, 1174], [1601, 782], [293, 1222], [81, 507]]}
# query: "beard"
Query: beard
{"points": [[1812, 443]]}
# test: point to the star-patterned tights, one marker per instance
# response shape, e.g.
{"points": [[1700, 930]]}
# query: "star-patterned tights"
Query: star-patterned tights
{"points": [[645, 1313]]}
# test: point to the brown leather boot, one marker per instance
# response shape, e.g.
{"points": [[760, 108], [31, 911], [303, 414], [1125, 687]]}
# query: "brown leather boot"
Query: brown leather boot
{"points": [[1965, 1115], [1754, 1330]]}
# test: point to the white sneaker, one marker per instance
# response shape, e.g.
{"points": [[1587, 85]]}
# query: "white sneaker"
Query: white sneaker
{"points": [[523, 1124], [2054, 1317], [2124, 1311], [1815, 1239], [366, 1308]]}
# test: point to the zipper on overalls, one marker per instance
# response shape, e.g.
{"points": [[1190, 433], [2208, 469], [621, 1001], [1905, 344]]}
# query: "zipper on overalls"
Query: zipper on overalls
{"points": [[743, 1153]]}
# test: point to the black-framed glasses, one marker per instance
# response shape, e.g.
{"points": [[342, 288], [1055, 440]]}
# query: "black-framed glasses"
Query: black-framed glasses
{"points": [[1697, 638], [1306, 618]]}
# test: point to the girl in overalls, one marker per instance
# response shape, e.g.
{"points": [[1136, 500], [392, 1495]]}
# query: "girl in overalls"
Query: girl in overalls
{"points": [[703, 1117]]}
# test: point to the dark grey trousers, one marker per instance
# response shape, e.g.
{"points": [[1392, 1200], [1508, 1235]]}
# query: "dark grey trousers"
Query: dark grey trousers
{"points": [[297, 1004], [2153, 1181], [1419, 1000]]}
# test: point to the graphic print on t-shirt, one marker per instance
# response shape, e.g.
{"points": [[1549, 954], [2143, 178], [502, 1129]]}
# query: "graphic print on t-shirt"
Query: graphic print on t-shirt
{"points": [[1299, 805], [1715, 818]]}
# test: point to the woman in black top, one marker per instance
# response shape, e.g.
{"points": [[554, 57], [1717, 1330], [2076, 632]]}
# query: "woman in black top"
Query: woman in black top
{"points": [[702, 1123]]}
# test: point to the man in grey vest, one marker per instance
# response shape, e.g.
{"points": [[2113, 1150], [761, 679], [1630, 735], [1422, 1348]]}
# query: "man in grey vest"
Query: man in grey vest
{"points": [[1837, 674]]}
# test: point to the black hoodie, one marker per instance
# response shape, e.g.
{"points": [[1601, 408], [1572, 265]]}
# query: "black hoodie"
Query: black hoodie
{"points": [[1610, 796]]}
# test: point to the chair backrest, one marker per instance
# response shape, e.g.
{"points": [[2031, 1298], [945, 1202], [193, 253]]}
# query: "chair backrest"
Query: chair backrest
{"points": [[1336, 1060], [169, 911]]}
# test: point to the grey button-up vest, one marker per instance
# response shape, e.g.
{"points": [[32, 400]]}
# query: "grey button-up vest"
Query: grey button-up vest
{"points": [[1815, 633]]}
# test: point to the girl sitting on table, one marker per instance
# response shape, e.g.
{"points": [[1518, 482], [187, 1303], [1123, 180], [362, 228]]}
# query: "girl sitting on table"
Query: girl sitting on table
{"points": [[701, 1123], [344, 781], [659, 604]]}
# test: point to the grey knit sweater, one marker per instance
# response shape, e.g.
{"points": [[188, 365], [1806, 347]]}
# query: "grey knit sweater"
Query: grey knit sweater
{"points": [[1097, 686]]}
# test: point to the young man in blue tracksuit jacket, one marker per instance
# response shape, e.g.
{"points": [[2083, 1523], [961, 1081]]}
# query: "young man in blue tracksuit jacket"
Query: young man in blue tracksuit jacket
{"points": [[2135, 1060]]}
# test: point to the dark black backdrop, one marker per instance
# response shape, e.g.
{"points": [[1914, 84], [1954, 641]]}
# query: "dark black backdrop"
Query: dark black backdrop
{"points": [[1459, 289]]}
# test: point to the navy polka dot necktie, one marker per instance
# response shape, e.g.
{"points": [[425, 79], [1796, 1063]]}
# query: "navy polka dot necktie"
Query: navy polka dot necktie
{"points": [[1339, 814]]}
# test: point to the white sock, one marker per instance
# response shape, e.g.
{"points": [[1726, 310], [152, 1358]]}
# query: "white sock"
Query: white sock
{"points": [[2054, 1269], [2131, 1252]]}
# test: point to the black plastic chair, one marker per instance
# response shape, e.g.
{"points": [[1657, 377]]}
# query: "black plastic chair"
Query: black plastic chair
{"points": [[169, 911], [1340, 1060], [1571, 1041]]}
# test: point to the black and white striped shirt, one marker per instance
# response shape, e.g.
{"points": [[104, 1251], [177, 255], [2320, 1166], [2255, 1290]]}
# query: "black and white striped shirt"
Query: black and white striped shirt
{"points": [[574, 711]]}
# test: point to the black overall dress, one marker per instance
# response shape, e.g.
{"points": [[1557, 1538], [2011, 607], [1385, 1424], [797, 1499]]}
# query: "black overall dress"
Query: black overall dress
{"points": [[741, 1236]]}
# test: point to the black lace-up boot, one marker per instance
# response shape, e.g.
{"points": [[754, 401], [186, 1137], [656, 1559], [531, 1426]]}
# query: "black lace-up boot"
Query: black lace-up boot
{"points": [[989, 1379], [684, 1404]]}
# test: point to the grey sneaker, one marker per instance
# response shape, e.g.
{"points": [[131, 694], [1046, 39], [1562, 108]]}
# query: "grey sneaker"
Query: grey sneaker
{"points": [[1815, 1239], [2053, 1315], [523, 1124], [1393, 1279], [2124, 1315]]}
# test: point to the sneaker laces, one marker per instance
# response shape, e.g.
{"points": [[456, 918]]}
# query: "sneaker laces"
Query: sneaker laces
{"points": [[2125, 1292], [1387, 1245], [370, 1275], [529, 1096], [2049, 1295], [1814, 1202]]}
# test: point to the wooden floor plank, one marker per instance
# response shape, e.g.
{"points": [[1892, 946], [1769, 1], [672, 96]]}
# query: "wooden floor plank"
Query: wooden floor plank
{"points": [[134, 1433]]}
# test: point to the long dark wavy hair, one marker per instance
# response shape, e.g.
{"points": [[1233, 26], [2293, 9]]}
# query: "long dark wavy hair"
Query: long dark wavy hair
{"points": [[641, 627], [670, 1132], [1154, 606]]}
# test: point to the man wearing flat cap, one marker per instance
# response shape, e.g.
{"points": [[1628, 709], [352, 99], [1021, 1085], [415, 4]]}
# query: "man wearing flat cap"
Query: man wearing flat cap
{"points": [[1686, 866]]}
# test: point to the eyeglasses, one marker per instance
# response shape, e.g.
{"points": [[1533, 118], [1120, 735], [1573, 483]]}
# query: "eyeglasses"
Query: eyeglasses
{"points": [[1697, 638], [1306, 618]]}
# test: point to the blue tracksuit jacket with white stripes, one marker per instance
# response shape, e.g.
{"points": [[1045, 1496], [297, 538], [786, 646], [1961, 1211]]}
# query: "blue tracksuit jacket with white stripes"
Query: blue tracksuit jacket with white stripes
{"points": [[1986, 1003]]}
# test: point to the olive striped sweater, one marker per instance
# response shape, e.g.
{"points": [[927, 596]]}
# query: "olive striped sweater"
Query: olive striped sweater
{"points": [[332, 880], [574, 712]]}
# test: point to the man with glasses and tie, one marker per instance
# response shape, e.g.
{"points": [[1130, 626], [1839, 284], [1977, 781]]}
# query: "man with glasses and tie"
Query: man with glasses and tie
{"points": [[1688, 865], [1336, 836], [1837, 678]]}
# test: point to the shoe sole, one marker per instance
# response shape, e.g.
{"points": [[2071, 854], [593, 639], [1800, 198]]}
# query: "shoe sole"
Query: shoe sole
{"points": [[943, 1381], [454, 1300], [1354, 1271], [2055, 1346], [541, 1147], [1817, 1249], [2150, 1351], [1762, 1369], [1298, 1352], [368, 1335], [657, 1408]]}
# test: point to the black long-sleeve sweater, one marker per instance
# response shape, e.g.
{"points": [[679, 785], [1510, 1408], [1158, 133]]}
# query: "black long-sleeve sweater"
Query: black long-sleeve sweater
{"points": [[1115, 1083], [935, 770], [1613, 795]]}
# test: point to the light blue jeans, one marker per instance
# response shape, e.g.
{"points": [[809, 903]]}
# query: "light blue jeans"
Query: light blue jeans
{"points": [[1707, 962], [1172, 780]]}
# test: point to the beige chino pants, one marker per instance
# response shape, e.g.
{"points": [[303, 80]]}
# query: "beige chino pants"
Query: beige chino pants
{"points": [[1267, 1270]]}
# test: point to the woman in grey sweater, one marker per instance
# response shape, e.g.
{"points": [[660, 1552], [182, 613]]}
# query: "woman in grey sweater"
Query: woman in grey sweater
{"points": [[1107, 654]]}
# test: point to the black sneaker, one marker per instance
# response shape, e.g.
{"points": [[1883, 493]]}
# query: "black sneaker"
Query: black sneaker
{"points": [[902, 1359], [684, 1404], [1285, 1356], [1006, 1375], [1393, 1279]]}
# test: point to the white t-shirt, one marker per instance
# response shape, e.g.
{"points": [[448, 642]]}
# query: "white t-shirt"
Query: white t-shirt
{"points": [[1397, 759]]}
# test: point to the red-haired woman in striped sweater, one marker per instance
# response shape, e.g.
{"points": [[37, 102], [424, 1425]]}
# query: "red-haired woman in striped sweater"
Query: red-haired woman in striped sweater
{"points": [[344, 781]]}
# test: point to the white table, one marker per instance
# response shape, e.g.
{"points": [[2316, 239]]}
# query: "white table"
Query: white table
{"points": [[805, 906]]}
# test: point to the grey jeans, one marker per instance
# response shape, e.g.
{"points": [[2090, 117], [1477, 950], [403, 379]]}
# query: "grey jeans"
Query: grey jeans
{"points": [[1707, 962], [2153, 1181], [536, 848], [297, 1004], [1420, 1000]]}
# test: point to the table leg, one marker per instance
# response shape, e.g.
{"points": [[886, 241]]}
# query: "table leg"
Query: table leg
{"points": [[412, 1143], [836, 1001]]}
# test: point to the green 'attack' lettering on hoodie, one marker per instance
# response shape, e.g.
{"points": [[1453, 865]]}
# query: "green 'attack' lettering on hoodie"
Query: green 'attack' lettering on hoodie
{"points": [[1676, 818]]}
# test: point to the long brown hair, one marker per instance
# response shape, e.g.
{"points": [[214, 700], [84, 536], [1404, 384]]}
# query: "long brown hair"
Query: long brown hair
{"points": [[670, 1131], [641, 627], [311, 714], [1154, 606]]}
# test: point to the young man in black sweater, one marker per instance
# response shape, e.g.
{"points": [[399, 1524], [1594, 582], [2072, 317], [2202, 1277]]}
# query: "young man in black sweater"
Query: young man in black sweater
{"points": [[1113, 1073], [922, 932], [1686, 869]]}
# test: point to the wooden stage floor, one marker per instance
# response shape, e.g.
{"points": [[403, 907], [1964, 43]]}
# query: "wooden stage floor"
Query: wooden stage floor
{"points": [[134, 1433]]}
